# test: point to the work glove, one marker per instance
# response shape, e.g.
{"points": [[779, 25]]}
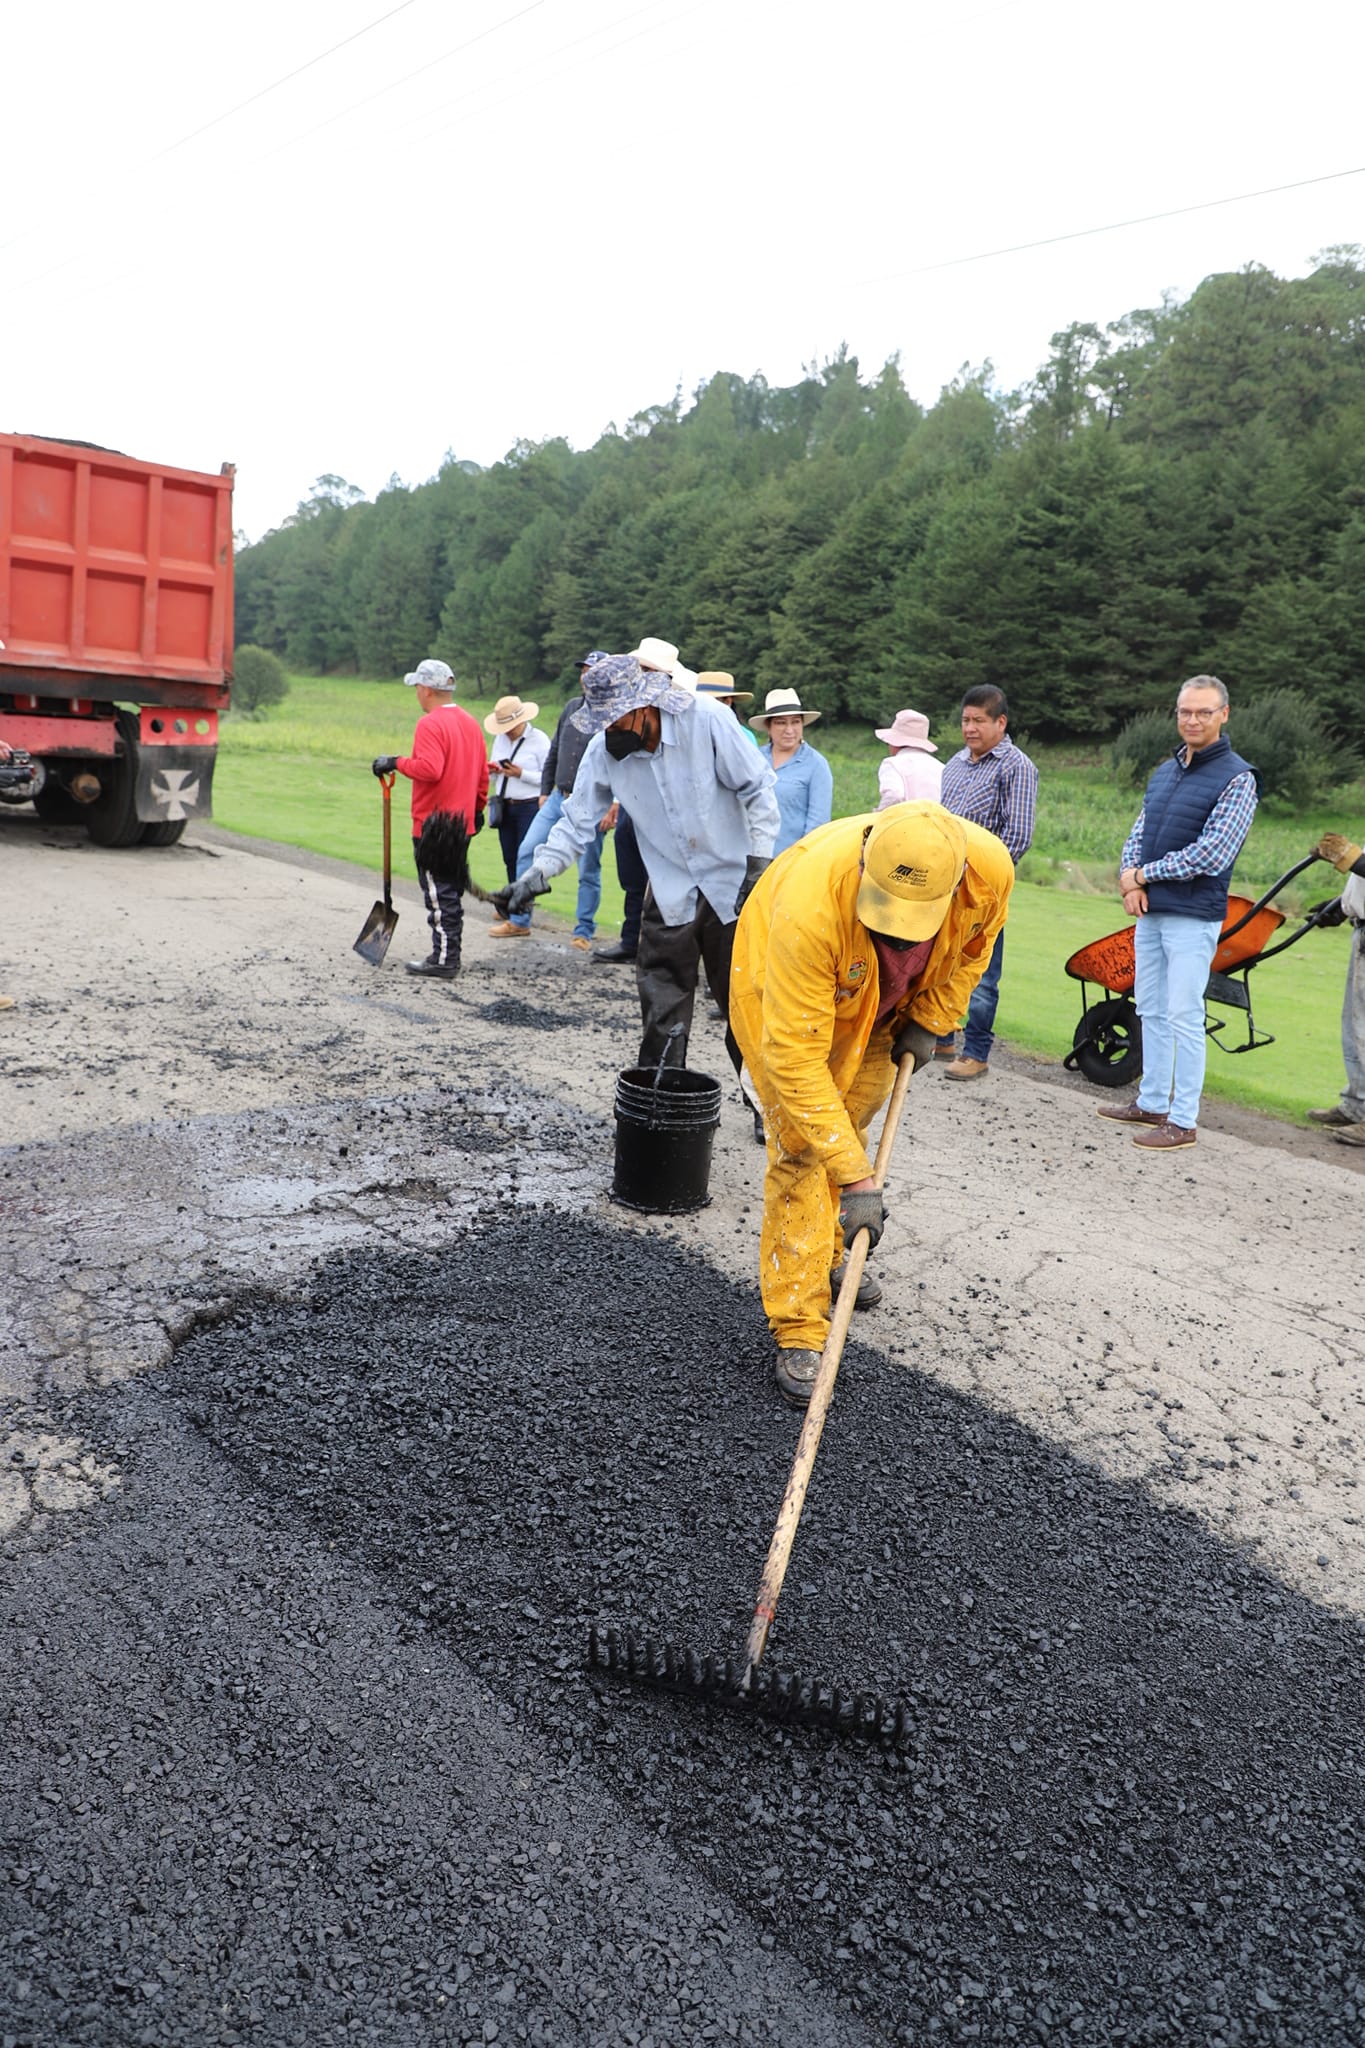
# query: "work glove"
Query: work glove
{"points": [[384, 764], [1337, 848], [863, 1211], [478, 821], [521, 894], [1325, 915], [915, 1040], [754, 866]]}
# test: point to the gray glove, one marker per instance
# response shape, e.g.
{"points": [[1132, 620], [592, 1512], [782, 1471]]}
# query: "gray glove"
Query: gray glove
{"points": [[863, 1211], [754, 865], [915, 1040], [384, 764], [521, 894]]}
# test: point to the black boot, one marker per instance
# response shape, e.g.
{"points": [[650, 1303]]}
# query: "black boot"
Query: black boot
{"points": [[434, 970], [614, 953]]}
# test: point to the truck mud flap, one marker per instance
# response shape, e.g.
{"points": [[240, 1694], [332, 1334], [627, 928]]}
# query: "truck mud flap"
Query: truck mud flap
{"points": [[174, 783]]}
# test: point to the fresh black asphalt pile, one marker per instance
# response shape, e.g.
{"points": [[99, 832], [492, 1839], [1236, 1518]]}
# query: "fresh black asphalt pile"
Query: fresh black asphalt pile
{"points": [[333, 1770]]}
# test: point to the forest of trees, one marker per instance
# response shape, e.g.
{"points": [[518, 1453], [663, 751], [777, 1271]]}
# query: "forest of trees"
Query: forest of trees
{"points": [[1182, 491]]}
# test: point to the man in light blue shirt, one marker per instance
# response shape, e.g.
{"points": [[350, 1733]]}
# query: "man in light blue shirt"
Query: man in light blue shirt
{"points": [[701, 800]]}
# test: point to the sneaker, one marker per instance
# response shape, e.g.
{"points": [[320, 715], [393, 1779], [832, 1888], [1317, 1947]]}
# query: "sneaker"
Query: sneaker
{"points": [[869, 1290], [1337, 1118], [1354, 1134], [435, 970], [1166, 1137], [795, 1373], [581, 945], [964, 1069], [1131, 1114]]}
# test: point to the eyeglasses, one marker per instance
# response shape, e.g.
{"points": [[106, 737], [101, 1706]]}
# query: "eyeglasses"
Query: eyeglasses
{"points": [[1201, 717]]}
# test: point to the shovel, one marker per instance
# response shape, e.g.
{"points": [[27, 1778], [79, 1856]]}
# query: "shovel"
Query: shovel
{"points": [[382, 922]]}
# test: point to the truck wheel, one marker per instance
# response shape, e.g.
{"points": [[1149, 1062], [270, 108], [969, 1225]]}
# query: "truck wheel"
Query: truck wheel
{"points": [[56, 805], [164, 832], [1108, 1043], [112, 820]]}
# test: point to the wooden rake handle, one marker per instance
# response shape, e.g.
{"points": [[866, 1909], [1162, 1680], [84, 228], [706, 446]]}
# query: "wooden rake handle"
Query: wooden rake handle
{"points": [[794, 1499]]}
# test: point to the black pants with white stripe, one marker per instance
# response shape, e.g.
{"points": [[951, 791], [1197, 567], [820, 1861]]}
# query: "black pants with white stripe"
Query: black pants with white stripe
{"points": [[445, 914]]}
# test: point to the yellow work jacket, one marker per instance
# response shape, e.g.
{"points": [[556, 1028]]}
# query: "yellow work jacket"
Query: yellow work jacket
{"points": [[804, 986]]}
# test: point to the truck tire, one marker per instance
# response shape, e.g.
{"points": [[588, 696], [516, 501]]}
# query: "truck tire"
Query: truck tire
{"points": [[56, 805], [112, 820], [164, 832]]}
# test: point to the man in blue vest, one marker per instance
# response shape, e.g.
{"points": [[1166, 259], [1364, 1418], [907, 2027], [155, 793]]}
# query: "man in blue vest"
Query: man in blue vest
{"points": [[1176, 866]]}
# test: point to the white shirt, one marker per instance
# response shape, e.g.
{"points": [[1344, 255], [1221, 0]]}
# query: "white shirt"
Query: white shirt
{"points": [[531, 756]]}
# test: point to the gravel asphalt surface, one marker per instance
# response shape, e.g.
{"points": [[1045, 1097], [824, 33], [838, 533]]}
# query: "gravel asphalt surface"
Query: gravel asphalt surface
{"points": [[339, 1402]]}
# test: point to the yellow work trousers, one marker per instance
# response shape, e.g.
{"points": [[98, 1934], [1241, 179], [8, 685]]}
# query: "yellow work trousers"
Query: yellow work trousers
{"points": [[801, 1242]]}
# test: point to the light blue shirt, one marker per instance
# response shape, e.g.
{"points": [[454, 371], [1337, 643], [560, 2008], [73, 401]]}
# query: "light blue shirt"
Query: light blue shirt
{"points": [[700, 805], [805, 793]]}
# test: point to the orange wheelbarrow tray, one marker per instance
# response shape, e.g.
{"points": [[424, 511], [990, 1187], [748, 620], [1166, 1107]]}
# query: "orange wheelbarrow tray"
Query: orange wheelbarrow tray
{"points": [[1107, 1047]]}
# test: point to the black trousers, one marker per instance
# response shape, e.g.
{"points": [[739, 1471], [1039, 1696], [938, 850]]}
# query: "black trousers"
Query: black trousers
{"points": [[633, 877], [666, 972], [445, 914]]}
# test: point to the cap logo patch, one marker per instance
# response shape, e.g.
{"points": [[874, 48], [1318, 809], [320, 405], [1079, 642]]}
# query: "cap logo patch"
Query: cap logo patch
{"points": [[916, 877]]}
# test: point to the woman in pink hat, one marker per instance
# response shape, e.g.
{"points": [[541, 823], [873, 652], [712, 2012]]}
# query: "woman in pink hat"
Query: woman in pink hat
{"points": [[907, 772]]}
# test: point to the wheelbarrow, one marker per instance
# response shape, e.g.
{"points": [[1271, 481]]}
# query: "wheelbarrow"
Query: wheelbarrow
{"points": [[1107, 1047]]}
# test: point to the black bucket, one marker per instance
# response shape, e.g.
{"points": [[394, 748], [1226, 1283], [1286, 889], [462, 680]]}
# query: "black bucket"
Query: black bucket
{"points": [[665, 1121]]}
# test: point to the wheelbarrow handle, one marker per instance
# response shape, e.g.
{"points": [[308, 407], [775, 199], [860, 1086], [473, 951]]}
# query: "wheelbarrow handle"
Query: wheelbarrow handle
{"points": [[1271, 893]]}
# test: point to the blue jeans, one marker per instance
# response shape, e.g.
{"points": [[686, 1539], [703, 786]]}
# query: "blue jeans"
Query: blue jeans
{"points": [[589, 866], [979, 1036], [1173, 955]]}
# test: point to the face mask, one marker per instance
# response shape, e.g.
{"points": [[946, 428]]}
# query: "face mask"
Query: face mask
{"points": [[619, 744]]}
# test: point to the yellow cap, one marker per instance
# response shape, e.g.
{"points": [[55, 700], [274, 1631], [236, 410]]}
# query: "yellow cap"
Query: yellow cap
{"points": [[912, 861]]}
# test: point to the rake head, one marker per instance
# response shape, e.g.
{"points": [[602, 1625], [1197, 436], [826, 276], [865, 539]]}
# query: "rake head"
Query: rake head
{"points": [[766, 1690]]}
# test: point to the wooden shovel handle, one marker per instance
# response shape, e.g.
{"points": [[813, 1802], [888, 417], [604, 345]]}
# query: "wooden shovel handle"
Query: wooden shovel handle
{"points": [[793, 1500], [386, 785]]}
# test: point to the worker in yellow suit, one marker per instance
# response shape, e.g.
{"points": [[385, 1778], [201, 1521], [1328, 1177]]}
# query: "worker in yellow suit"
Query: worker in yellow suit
{"points": [[858, 945]]}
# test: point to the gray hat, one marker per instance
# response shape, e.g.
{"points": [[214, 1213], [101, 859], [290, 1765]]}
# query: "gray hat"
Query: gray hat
{"points": [[617, 685], [432, 675]]}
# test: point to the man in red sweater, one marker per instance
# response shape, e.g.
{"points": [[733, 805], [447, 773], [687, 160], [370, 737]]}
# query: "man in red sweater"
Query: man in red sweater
{"points": [[448, 769]]}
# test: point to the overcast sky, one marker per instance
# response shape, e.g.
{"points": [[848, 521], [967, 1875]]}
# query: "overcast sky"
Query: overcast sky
{"points": [[479, 220]]}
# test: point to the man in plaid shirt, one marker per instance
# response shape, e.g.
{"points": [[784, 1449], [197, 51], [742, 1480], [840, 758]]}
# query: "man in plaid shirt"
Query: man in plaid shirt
{"points": [[989, 783]]}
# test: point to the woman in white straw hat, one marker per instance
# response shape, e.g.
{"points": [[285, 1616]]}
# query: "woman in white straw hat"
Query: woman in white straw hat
{"points": [[805, 786], [908, 773], [514, 771]]}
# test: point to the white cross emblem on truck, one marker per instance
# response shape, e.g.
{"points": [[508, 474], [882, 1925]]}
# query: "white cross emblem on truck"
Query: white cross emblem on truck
{"points": [[177, 790]]}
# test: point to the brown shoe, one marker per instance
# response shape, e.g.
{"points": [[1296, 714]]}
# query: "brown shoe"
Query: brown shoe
{"points": [[509, 931], [1131, 1114], [1334, 1117], [1166, 1137], [580, 944], [1354, 1134], [947, 1050], [966, 1070]]}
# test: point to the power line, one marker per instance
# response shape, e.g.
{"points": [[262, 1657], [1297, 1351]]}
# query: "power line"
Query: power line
{"points": [[250, 101], [1111, 227]]}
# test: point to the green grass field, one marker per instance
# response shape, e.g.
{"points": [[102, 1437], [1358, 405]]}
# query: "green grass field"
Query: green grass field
{"points": [[301, 776]]}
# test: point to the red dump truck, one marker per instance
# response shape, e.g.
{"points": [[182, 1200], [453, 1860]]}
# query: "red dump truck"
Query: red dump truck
{"points": [[115, 634]]}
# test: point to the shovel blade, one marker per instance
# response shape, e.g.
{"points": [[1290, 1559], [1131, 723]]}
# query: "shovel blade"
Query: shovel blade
{"points": [[377, 930]]}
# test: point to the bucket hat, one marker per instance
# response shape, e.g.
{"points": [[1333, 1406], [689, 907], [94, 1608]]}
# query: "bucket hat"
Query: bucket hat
{"points": [[907, 729], [432, 675], [507, 712], [714, 682], [913, 859], [657, 654], [617, 685], [782, 704]]}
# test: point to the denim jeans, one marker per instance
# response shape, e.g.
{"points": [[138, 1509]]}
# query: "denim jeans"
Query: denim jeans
{"points": [[979, 1036], [589, 867], [1353, 1032], [1173, 956]]}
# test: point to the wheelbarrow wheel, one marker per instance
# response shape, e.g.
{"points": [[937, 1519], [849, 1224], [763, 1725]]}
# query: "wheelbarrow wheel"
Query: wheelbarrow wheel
{"points": [[1108, 1043]]}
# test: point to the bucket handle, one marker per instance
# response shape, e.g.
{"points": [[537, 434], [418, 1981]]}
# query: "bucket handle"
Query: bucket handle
{"points": [[678, 1032]]}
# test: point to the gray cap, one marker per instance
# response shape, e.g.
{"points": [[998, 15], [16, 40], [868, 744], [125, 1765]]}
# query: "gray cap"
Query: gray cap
{"points": [[433, 674]]}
